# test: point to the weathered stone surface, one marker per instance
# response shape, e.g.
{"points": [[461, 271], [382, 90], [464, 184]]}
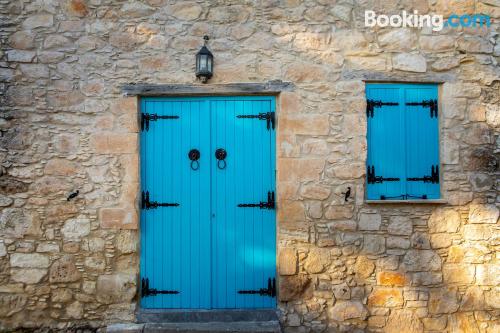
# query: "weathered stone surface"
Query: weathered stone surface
{"points": [[75, 310], [64, 270], [11, 303], [398, 39], [409, 63], [364, 267], [483, 213], [16, 223], [391, 278], [373, 244], [28, 275], [75, 229], [455, 273], [126, 242], [403, 321], [115, 288], [187, 11], [477, 231], [369, 221], [119, 218], [435, 323], [400, 225], [292, 287], [443, 300], [385, 297], [29, 260], [23, 40], [473, 299], [317, 192], [38, 21], [439, 241], [345, 310], [463, 322], [77, 8], [488, 275], [317, 260], [136, 9], [288, 261], [444, 220], [421, 260]]}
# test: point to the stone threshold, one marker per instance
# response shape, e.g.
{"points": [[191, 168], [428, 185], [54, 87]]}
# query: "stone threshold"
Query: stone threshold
{"points": [[210, 327], [220, 315], [250, 88]]}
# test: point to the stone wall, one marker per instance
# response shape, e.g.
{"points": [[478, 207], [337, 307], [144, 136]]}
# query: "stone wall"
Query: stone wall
{"points": [[343, 267]]}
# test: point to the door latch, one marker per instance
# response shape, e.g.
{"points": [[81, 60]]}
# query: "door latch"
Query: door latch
{"points": [[269, 204]]}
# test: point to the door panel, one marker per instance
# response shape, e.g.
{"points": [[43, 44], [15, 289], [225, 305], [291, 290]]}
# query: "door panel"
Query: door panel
{"points": [[175, 239], [243, 238], [207, 248]]}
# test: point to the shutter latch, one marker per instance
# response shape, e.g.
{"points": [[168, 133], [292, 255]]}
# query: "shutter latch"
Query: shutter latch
{"points": [[372, 104], [433, 178], [372, 178], [432, 104]]}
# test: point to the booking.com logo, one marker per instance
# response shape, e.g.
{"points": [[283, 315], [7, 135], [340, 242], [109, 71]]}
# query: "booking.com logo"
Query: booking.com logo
{"points": [[415, 20]]}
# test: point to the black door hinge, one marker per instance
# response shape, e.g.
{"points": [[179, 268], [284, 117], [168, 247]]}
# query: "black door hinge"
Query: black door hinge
{"points": [[146, 291], [372, 178], [146, 204], [269, 204], [433, 178], [269, 291], [432, 104], [372, 104], [269, 117], [147, 117]]}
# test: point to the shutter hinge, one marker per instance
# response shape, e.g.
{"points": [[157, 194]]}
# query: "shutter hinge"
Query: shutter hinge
{"points": [[404, 197], [372, 178], [269, 117], [146, 204], [147, 117], [433, 178], [372, 104], [269, 291], [269, 204], [432, 104], [146, 291]]}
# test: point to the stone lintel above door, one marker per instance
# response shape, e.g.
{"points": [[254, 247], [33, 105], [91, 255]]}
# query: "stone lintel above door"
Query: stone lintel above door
{"points": [[274, 87]]}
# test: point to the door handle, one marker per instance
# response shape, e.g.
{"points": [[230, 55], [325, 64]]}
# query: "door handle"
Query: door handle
{"points": [[194, 156], [220, 155]]}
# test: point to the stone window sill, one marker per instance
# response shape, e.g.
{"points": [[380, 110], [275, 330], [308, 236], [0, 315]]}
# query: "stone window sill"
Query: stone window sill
{"points": [[431, 201]]}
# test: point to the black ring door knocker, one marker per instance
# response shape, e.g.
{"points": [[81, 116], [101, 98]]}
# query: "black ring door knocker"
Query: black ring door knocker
{"points": [[220, 155], [194, 156]]}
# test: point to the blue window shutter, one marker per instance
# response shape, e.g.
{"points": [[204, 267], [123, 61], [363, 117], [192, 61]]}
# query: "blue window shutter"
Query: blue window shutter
{"points": [[422, 142], [386, 143]]}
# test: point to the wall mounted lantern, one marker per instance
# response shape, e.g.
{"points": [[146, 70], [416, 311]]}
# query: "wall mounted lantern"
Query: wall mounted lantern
{"points": [[204, 63]]}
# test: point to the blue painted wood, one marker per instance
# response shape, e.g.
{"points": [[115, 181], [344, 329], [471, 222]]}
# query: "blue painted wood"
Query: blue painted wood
{"points": [[208, 248], [422, 141], [403, 141]]}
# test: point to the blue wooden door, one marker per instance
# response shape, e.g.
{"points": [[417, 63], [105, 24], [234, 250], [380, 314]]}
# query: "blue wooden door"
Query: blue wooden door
{"points": [[204, 251]]}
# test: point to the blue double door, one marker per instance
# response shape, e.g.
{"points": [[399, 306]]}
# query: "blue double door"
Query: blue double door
{"points": [[208, 234]]}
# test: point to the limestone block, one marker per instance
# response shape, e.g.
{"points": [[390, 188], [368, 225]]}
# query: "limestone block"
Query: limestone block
{"points": [[444, 220], [363, 267], [387, 278], [437, 43], [488, 274], [35, 71], [477, 231], [75, 229], [38, 21], [439, 241], [116, 288], [463, 322], [458, 273], [127, 241], [288, 261], [317, 260], [292, 169], [435, 323], [409, 62], [483, 213], [114, 143], [373, 244], [443, 300], [118, 218], [64, 270], [473, 299], [20, 56], [402, 39], [310, 124], [16, 222], [315, 192], [292, 287], [345, 310], [11, 303], [403, 321], [386, 297], [76, 8], [75, 310], [368, 221], [29, 260], [400, 225], [136, 9], [421, 260], [23, 40], [28, 275]]}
